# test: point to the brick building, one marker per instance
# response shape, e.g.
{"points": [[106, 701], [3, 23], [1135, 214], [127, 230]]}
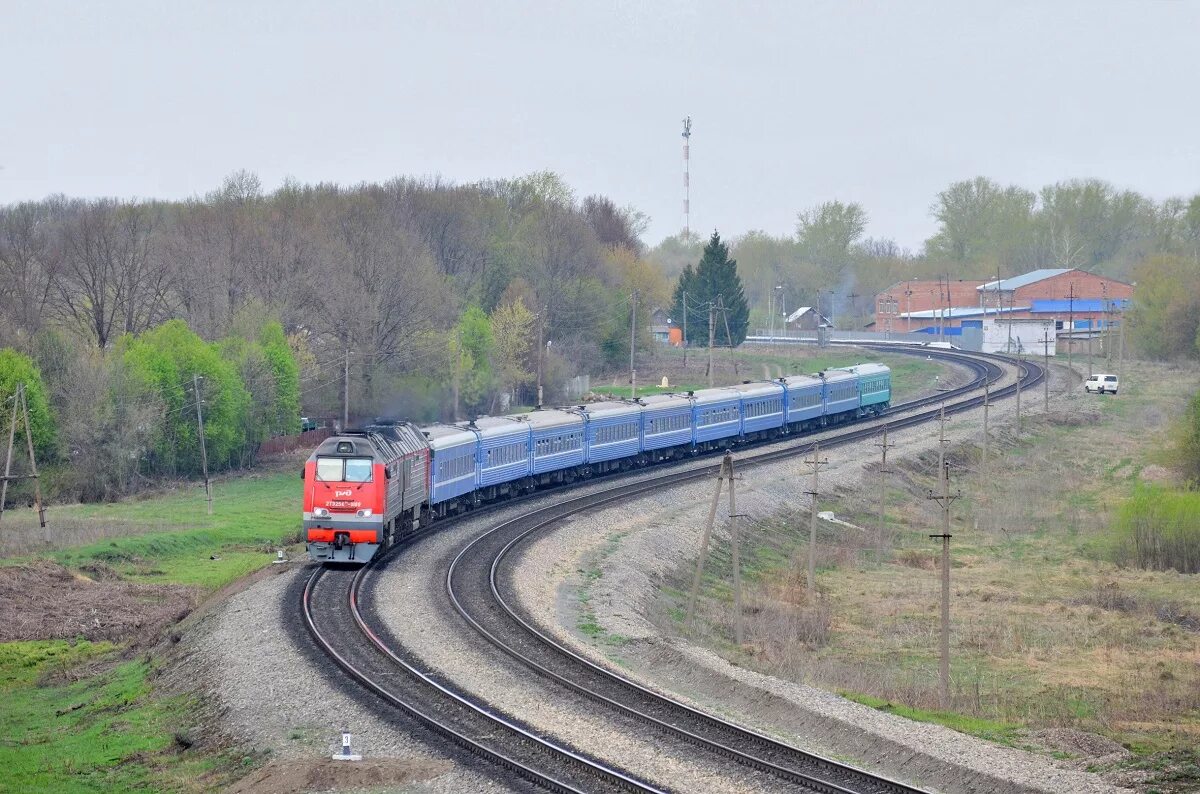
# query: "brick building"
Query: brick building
{"points": [[1058, 294], [899, 306]]}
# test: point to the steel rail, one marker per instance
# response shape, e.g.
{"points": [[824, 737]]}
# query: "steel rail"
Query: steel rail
{"points": [[473, 746], [546, 517], [493, 755]]}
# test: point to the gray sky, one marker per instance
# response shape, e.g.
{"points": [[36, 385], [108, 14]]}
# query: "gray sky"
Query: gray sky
{"points": [[792, 103]]}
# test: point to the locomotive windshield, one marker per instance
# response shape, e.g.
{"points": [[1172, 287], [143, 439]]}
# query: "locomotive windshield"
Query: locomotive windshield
{"points": [[344, 469]]}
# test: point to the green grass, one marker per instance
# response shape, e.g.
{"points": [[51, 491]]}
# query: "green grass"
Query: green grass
{"points": [[251, 515], [104, 732], [1001, 732]]}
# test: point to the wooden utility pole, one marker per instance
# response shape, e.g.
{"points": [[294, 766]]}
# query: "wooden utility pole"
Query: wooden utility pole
{"points": [[712, 338], [726, 464], [737, 563], [724, 473], [883, 472], [21, 411], [815, 463], [945, 500], [203, 446], [633, 347], [12, 430]]}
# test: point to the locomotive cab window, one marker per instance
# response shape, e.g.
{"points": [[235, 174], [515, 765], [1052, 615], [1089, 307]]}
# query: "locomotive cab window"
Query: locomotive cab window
{"points": [[329, 469], [358, 470]]}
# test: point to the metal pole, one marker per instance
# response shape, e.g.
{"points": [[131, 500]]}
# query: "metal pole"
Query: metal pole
{"points": [[1046, 366], [203, 446], [1070, 338]]}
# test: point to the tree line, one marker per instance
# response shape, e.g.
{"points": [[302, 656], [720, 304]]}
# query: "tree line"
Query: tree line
{"points": [[433, 300], [984, 229]]}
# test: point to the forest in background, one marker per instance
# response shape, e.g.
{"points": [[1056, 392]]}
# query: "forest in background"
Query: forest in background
{"points": [[435, 298]]}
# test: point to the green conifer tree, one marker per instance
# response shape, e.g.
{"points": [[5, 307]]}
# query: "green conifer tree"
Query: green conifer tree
{"points": [[713, 282]]}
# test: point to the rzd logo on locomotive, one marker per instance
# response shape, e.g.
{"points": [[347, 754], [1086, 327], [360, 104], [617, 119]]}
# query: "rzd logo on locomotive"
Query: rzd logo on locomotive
{"points": [[346, 492]]}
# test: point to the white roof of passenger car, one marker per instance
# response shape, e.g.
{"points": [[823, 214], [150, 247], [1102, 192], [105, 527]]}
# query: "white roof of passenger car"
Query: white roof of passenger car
{"points": [[551, 417], [499, 426], [719, 394], [660, 401], [444, 436], [759, 388], [801, 381], [609, 408]]}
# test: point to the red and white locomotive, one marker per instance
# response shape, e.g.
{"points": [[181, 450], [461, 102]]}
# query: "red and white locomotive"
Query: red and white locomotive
{"points": [[363, 489]]}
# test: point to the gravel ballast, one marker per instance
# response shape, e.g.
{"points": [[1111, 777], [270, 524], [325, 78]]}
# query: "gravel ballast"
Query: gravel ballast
{"points": [[624, 551]]}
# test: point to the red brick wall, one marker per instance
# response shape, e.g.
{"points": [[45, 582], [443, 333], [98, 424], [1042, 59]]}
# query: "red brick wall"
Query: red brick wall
{"points": [[1087, 285], [925, 295]]}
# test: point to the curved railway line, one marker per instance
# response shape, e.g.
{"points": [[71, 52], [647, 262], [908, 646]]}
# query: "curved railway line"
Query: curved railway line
{"points": [[478, 585]]}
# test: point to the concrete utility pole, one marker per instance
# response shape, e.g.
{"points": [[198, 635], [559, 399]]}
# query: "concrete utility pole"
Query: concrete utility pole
{"points": [[737, 564], [1070, 338], [728, 335], [1121, 349], [987, 394], [1020, 363], [712, 339], [203, 446], [633, 347], [815, 463], [687, 187], [541, 352], [883, 472], [945, 500], [685, 342], [1046, 340]]}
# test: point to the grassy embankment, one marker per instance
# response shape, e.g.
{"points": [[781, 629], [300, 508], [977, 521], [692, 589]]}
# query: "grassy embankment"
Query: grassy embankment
{"points": [[1053, 624], [78, 716]]}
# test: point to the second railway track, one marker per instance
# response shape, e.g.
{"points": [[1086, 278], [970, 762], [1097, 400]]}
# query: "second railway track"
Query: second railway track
{"points": [[478, 587]]}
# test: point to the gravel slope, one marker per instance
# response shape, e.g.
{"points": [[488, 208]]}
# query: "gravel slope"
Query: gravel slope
{"points": [[657, 532]]}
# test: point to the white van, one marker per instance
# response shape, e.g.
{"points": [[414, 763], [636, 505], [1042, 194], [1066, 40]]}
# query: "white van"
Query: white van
{"points": [[1101, 383]]}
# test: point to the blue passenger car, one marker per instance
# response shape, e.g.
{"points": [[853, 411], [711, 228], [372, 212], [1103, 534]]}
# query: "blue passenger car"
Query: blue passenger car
{"points": [[874, 387], [841, 395], [762, 406], [718, 415], [557, 439], [614, 430], [453, 461], [666, 421], [805, 400], [503, 449]]}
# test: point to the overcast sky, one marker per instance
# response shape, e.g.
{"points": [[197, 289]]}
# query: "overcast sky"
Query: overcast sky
{"points": [[792, 103]]}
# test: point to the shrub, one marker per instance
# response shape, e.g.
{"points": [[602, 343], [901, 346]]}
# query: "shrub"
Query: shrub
{"points": [[1160, 530], [18, 368]]}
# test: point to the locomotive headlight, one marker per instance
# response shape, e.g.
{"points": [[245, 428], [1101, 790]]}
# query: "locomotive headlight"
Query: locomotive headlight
{"points": [[364, 513], [320, 512]]}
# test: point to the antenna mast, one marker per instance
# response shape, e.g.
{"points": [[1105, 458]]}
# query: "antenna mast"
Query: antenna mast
{"points": [[687, 195]]}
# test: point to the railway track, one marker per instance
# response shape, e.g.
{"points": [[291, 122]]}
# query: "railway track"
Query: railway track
{"points": [[477, 585]]}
